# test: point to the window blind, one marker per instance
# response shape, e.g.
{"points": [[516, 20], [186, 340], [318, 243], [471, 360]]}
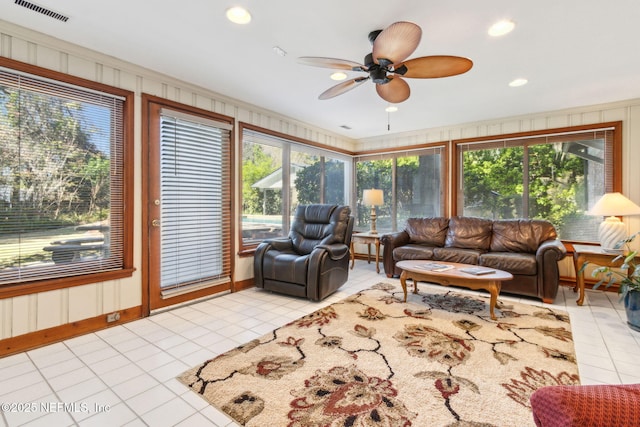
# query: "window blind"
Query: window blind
{"points": [[61, 179], [195, 195]]}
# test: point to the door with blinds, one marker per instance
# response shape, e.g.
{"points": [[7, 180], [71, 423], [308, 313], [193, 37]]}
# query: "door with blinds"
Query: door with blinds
{"points": [[189, 214]]}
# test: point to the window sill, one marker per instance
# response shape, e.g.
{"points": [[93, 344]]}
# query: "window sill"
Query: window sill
{"points": [[14, 290]]}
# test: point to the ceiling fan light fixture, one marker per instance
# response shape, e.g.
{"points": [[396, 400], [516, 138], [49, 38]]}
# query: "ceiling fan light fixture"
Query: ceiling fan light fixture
{"points": [[518, 82], [238, 15], [338, 76], [391, 109], [501, 28], [387, 65]]}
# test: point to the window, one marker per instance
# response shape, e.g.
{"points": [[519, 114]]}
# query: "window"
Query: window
{"points": [[555, 176], [63, 179], [279, 173], [413, 184]]}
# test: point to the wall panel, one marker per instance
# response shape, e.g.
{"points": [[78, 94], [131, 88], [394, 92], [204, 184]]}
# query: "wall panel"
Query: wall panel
{"points": [[49, 307], [84, 302], [20, 315]]}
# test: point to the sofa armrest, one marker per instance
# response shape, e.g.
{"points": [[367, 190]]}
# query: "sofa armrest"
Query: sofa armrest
{"points": [[551, 248], [547, 257], [390, 242]]}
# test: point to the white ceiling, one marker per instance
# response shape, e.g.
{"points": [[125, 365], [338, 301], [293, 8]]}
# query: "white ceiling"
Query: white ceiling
{"points": [[573, 52]]}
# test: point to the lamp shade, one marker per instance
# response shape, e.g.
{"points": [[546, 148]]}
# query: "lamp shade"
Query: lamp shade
{"points": [[372, 197], [614, 204]]}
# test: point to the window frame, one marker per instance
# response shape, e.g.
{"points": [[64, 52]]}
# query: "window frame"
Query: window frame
{"points": [[127, 270], [294, 143], [616, 176]]}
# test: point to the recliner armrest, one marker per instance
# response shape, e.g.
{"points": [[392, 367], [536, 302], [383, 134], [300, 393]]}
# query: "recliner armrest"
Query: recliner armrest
{"points": [[279, 244], [336, 251]]}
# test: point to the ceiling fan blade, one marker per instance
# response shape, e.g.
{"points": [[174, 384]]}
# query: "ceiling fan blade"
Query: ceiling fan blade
{"points": [[396, 42], [428, 67], [343, 87], [339, 64], [397, 90]]}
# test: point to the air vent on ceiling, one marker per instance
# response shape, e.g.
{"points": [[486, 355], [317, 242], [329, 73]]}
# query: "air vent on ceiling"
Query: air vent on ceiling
{"points": [[43, 10], [345, 127]]}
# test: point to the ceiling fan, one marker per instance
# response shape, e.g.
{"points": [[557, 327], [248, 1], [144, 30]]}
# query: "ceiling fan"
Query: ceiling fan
{"points": [[386, 64]]}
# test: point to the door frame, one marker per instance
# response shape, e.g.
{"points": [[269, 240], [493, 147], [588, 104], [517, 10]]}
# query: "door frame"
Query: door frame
{"points": [[151, 105]]}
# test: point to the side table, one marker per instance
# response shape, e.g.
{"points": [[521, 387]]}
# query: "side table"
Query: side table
{"points": [[367, 238], [583, 254]]}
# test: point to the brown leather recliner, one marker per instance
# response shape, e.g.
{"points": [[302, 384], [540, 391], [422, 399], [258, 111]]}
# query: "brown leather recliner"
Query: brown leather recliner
{"points": [[313, 262]]}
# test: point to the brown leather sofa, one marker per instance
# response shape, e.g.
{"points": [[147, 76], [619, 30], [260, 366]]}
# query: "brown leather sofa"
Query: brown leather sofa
{"points": [[528, 249], [313, 262]]}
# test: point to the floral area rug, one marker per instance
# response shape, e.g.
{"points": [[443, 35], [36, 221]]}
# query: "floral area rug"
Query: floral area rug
{"points": [[372, 360]]}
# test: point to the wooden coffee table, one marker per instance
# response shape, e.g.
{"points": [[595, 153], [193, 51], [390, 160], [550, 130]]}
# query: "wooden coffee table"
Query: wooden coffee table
{"points": [[490, 282]]}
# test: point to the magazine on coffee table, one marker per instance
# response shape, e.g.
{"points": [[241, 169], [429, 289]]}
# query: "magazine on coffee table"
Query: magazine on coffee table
{"points": [[434, 266], [478, 271]]}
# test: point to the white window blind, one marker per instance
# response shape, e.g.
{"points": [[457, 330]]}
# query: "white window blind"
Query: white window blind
{"points": [[195, 195], [61, 179]]}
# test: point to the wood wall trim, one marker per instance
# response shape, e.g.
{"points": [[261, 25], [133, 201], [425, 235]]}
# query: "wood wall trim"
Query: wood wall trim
{"points": [[285, 136], [244, 284], [403, 148], [541, 132], [43, 337], [20, 289]]}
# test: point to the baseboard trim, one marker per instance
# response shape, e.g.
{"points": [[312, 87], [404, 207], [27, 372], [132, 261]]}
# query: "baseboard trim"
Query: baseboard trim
{"points": [[243, 284], [36, 339]]}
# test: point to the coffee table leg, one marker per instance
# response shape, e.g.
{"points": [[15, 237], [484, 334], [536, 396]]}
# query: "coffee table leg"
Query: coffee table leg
{"points": [[403, 282], [494, 290]]}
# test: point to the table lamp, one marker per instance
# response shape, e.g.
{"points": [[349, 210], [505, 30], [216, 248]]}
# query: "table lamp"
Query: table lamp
{"points": [[373, 198], [612, 230]]}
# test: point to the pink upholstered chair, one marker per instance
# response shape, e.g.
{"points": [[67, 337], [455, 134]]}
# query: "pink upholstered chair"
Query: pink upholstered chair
{"points": [[587, 405]]}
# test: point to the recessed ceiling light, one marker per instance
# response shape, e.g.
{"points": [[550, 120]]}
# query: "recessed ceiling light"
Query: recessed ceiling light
{"points": [[338, 76], [391, 109], [238, 15], [518, 82], [501, 28]]}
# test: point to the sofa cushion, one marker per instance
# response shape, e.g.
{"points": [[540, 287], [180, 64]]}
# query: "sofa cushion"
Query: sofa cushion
{"points": [[469, 233], [520, 235], [427, 231], [412, 251], [464, 256], [514, 263]]}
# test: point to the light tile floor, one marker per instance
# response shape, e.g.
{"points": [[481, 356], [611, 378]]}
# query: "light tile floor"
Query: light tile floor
{"points": [[126, 375]]}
